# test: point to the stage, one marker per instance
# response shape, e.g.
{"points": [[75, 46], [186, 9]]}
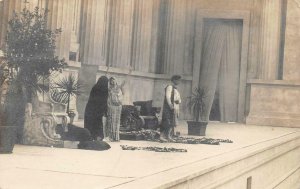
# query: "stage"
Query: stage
{"points": [[259, 158]]}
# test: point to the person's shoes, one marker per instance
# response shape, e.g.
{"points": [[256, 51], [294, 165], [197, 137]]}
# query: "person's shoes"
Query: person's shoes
{"points": [[162, 139], [171, 140], [106, 139]]}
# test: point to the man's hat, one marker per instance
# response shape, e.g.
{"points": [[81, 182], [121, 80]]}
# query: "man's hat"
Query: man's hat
{"points": [[175, 77]]}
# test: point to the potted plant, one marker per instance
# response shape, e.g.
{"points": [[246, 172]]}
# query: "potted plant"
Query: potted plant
{"points": [[197, 106], [71, 115], [30, 55], [65, 88]]}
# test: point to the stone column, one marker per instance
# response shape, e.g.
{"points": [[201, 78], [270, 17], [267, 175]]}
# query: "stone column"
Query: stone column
{"points": [[60, 17], [255, 40], [1, 16], [176, 37], [291, 67], [270, 44], [142, 35], [76, 10], [95, 16]]}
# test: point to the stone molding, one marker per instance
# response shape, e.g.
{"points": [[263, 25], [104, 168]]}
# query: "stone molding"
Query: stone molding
{"points": [[124, 71]]}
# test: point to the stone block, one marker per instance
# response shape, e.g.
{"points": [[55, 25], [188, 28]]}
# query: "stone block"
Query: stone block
{"points": [[274, 103]]}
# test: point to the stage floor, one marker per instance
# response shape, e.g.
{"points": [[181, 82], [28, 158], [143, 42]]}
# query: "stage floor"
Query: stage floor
{"points": [[43, 167]]}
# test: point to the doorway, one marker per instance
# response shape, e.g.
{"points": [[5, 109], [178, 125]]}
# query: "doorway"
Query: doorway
{"points": [[220, 68]]}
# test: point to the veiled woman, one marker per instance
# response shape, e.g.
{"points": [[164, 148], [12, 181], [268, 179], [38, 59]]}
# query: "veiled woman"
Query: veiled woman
{"points": [[96, 108]]}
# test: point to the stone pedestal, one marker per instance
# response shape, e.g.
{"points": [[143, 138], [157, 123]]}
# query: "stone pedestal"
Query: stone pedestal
{"points": [[39, 127], [274, 103]]}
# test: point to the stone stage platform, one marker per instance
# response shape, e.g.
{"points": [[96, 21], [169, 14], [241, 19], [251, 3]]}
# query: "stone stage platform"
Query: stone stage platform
{"points": [[259, 158]]}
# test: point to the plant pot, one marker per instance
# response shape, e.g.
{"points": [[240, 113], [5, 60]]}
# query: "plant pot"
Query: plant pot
{"points": [[197, 128], [8, 135], [71, 118], [71, 115]]}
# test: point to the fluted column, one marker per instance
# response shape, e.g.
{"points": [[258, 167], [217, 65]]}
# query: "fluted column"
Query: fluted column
{"points": [[1, 16], [60, 16], [94, 25], [107, 32], [176, 40], [270, 45], [154, 36], [76, 10], [255, 40], [291, 66], [142, 35]]}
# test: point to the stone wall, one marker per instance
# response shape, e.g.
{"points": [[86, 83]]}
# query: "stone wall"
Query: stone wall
{"points": [[274, 103], [157, 39]]}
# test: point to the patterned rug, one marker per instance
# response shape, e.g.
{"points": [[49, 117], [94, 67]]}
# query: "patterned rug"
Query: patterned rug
{"points": [[155, 149], [153, 135]]}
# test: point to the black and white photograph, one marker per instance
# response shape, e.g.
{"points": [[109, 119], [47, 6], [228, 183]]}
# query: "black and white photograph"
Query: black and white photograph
{"points": [[149, 94]]}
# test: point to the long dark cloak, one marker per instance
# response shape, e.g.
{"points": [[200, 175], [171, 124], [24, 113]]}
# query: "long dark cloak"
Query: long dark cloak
{"points": [[96, 108]]}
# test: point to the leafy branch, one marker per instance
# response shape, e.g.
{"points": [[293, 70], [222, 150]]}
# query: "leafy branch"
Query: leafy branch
{"points": [[196, 103]]}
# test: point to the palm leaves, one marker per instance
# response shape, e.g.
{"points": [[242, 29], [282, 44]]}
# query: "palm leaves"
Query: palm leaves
{"points": [[64, 89], [196, 103]]}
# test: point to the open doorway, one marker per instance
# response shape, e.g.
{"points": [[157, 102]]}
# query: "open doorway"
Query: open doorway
{"points": [[220, 67]]}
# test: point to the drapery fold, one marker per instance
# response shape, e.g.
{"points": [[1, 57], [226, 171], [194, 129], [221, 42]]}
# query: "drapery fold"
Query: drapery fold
{"points": [[220, 66]]}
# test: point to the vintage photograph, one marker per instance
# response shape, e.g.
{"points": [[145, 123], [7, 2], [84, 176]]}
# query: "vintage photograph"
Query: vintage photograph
{"points": [[150, 94]]}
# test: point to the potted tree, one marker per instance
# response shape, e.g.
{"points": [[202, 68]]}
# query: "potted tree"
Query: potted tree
{"points": [[7, 127], [30, 54], [12, 115], [197, 106]]}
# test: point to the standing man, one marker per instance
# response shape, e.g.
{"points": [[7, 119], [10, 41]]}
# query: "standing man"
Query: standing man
{"points": [[170, 109]]}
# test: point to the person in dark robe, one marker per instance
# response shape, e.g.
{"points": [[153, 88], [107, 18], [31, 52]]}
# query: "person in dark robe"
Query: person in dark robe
{"points": [[68, 131], [96, 108]]}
